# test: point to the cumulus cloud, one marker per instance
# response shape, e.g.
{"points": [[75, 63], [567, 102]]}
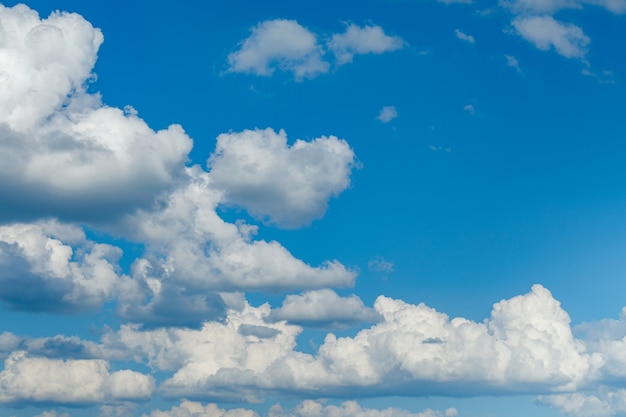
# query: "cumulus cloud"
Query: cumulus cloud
{"points": [[49, 266], [285, 45], [280, 44], [57, 140], [387, 114], [26, 379], [324, 308], [606, 404], [463, 36], [310, 408], [546, 33], [380, 265], [195, 409], [526, 346], [290, 185], [362, 40]]}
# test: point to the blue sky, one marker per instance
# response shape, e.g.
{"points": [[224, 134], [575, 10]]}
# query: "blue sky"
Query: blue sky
{"points": [[385, 209]]}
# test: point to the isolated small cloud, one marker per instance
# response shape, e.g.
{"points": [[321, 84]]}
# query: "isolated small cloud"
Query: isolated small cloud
{"points": [[362, 40], [380, 265], [469, 108], [280, 44], [463, 36], [512, 62], [546, 33], [324, 308], [387, 114]]}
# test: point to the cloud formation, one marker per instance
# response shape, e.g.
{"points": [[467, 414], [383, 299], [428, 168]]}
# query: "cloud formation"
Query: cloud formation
{"points": [[547, 33], [324, 308], [289, 185], [285, 45], [387, 114], [464, 37], [56, 139]]}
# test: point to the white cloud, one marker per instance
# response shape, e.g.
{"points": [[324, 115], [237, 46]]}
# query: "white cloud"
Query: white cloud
{"points": [[469, 109], [362, 40], [603, 404], [195, 409], [280, 44], [30, 380], [288, 184], [50, 266], [387, 114], [525, 347], [512, 62], [545, 33], [464, 37], [56, 140], [380, 265], [540, 6], [310, 408], [52, 414], [324, 308]]}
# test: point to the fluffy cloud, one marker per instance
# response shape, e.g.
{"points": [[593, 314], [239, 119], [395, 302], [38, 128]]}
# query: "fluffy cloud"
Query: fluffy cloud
{"points": [[362, 40], [324, 308], [312, 408], [40, 380], [49, 266], [288, 184], [546, 33], [56, 140], [287, 46], [282, 44], [605, 404], [195, 409], [387, 114], [525, 347]]}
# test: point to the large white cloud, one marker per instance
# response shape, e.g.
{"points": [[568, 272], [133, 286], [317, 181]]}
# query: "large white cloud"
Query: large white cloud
{"points": [[546, 33], [288, 184], [525, 347], [62, 152], [30, 380], [362, 40], [324, 308], [282, 44]]}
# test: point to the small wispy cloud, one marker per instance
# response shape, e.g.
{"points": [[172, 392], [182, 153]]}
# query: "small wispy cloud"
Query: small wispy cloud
{"points": [[380, 265], [387, 114], [469, 109], [464, 37], [512, 62], [440, 148]]}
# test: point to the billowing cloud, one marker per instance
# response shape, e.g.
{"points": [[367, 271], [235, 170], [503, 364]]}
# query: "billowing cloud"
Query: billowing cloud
{"points": [[195, 409], [362, 40], [387, 114], [30, 380], [49, 266], [464, 37], [57, 140], [578, 404], [290, 185], [285, 45], [280, 44], [525, 347], [310, 408], [547, 33], [324, 308]]}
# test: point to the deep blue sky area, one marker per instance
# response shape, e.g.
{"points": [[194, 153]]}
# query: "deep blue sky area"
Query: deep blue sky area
{"points": [[353, 187]]}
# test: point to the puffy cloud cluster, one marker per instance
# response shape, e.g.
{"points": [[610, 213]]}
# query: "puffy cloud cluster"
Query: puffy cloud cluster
{"points": [[26, 379], [57, 140], [288, 46], [290, 185], [525, 347], [308, 408], [48, 266]]}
